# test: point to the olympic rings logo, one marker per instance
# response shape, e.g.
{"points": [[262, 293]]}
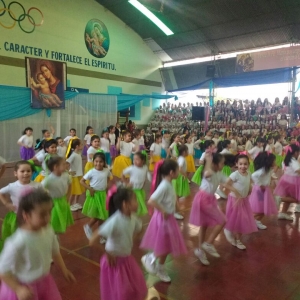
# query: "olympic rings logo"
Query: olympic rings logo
{"points": [[21, 17]]}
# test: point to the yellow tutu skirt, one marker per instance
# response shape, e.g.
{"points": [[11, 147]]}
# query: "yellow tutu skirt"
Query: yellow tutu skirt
{"points": [[77, 188], [153, 160], [120, 164], [190, 165], [39, 178], [88, 166]]}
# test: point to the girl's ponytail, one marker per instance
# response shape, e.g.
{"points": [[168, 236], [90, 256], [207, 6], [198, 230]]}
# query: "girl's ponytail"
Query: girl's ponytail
{"points": [[291, 149]]}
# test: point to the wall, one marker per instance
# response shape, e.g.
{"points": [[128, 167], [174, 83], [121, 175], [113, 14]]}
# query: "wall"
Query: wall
{"points": [[136, 67]]}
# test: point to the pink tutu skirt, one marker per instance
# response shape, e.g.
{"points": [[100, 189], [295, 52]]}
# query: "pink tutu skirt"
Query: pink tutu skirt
{"points": [[113, 151], [43, 289], [205, 210], [239, 216], [163, 236], [125, 281], [262, 201], [288, 186], [26, 153]]}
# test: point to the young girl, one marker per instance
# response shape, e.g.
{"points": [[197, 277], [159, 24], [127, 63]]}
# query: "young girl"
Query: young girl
{"points": [[112, 138], [47, 135], [75, 160], [155, 152], [163, 235], [50, 149], [94, 206], [123, 161], [255, 151], [61, 147], [120, 276], [205, 212], [165, 143], [89, 132], [239, 215], [105, 146], [58, 184], [71, 136], [278, 148], [26, 143], [190, 164], [249, 144], [173, 149], [142, 140], [261, 199], [10, 197], [288, 187], [138, 174], [94, 147], [27, 255]]}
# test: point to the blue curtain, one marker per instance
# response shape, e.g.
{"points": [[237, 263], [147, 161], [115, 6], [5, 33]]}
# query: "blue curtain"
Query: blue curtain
{"points": [[15, 101]]}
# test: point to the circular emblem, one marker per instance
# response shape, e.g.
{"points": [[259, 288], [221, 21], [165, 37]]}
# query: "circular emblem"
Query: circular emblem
{"points": [[96, 38]]}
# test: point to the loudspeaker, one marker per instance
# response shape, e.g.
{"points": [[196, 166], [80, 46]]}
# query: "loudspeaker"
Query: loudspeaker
{"points": [[210, 71], [198, 113]]}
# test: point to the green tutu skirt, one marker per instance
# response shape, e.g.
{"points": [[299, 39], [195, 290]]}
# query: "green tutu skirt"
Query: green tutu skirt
{"points": [[141, 199], [61, 215], [197, 176], [146, 155], [279, 160], [95, 207], [181, 186], [226, 171], [251, 167], [9, 226]]}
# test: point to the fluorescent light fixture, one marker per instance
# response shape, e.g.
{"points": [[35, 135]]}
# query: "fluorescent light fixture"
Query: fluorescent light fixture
{"points": [[220, 56], [144, 10]]}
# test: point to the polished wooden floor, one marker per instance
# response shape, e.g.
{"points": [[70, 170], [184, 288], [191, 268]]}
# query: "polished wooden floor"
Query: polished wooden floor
{"points": [[268, 270]]}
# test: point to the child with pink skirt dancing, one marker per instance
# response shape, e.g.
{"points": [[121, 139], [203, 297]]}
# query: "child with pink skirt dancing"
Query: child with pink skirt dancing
{"points": [[163, 235], [26, 258], [239, 215], [205, 212], [120, 276], [288, 187], [261, 199]]}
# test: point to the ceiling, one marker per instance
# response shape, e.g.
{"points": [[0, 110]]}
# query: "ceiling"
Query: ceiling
{"points": [[207, 27]]}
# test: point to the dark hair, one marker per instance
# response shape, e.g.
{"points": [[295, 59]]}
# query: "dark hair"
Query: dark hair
{"points": [[20, 163], [100, 155], [49, 143], [136, 133], [157, 136], [290, 154], [73, 129], [58, 138], [173, 137], [116, 201], [95, 137], [142, 156], [182, 149], [74, 144], [186, 138], [206, 145], [216, 159], [259, 140], [264, 160], [223, 144], [53, 161], [276, 138], [44, 131], [241, 156], [39, 144], [164, 170], [27, 128], [29, 201], [110, 127], [87, 129]]}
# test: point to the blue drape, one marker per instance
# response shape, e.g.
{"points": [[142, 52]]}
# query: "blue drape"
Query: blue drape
{"points": [[15, 101]]}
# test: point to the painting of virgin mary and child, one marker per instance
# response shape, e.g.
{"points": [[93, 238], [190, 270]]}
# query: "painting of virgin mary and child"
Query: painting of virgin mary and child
{"points": [[46, 79]]}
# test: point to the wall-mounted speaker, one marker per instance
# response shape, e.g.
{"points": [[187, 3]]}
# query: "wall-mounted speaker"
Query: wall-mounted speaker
{"points": [[198, 113], [210, 71]]}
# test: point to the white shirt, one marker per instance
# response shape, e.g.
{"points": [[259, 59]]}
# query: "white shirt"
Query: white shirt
{"points": [[67, 139], [138, 176], [90, 152], [28, 254], [261, 178], [126, 148], [142, 141], [112, 138], [165, 196], [16, 189], [165, 143], [61, 151], [233, 145], [216, 140], [225, 151], [119, 230], [98, 179], [173, 151], [156, 149], [269, 147], [87, 138], [104, 144], [26, 140], [75, 162], [182, 163], [278, 148], [255, 151], [57, 186], [248, 145], [190, 148], [210, 184], [241, 183], [40, 156], [202, 158], [292, 168]]}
